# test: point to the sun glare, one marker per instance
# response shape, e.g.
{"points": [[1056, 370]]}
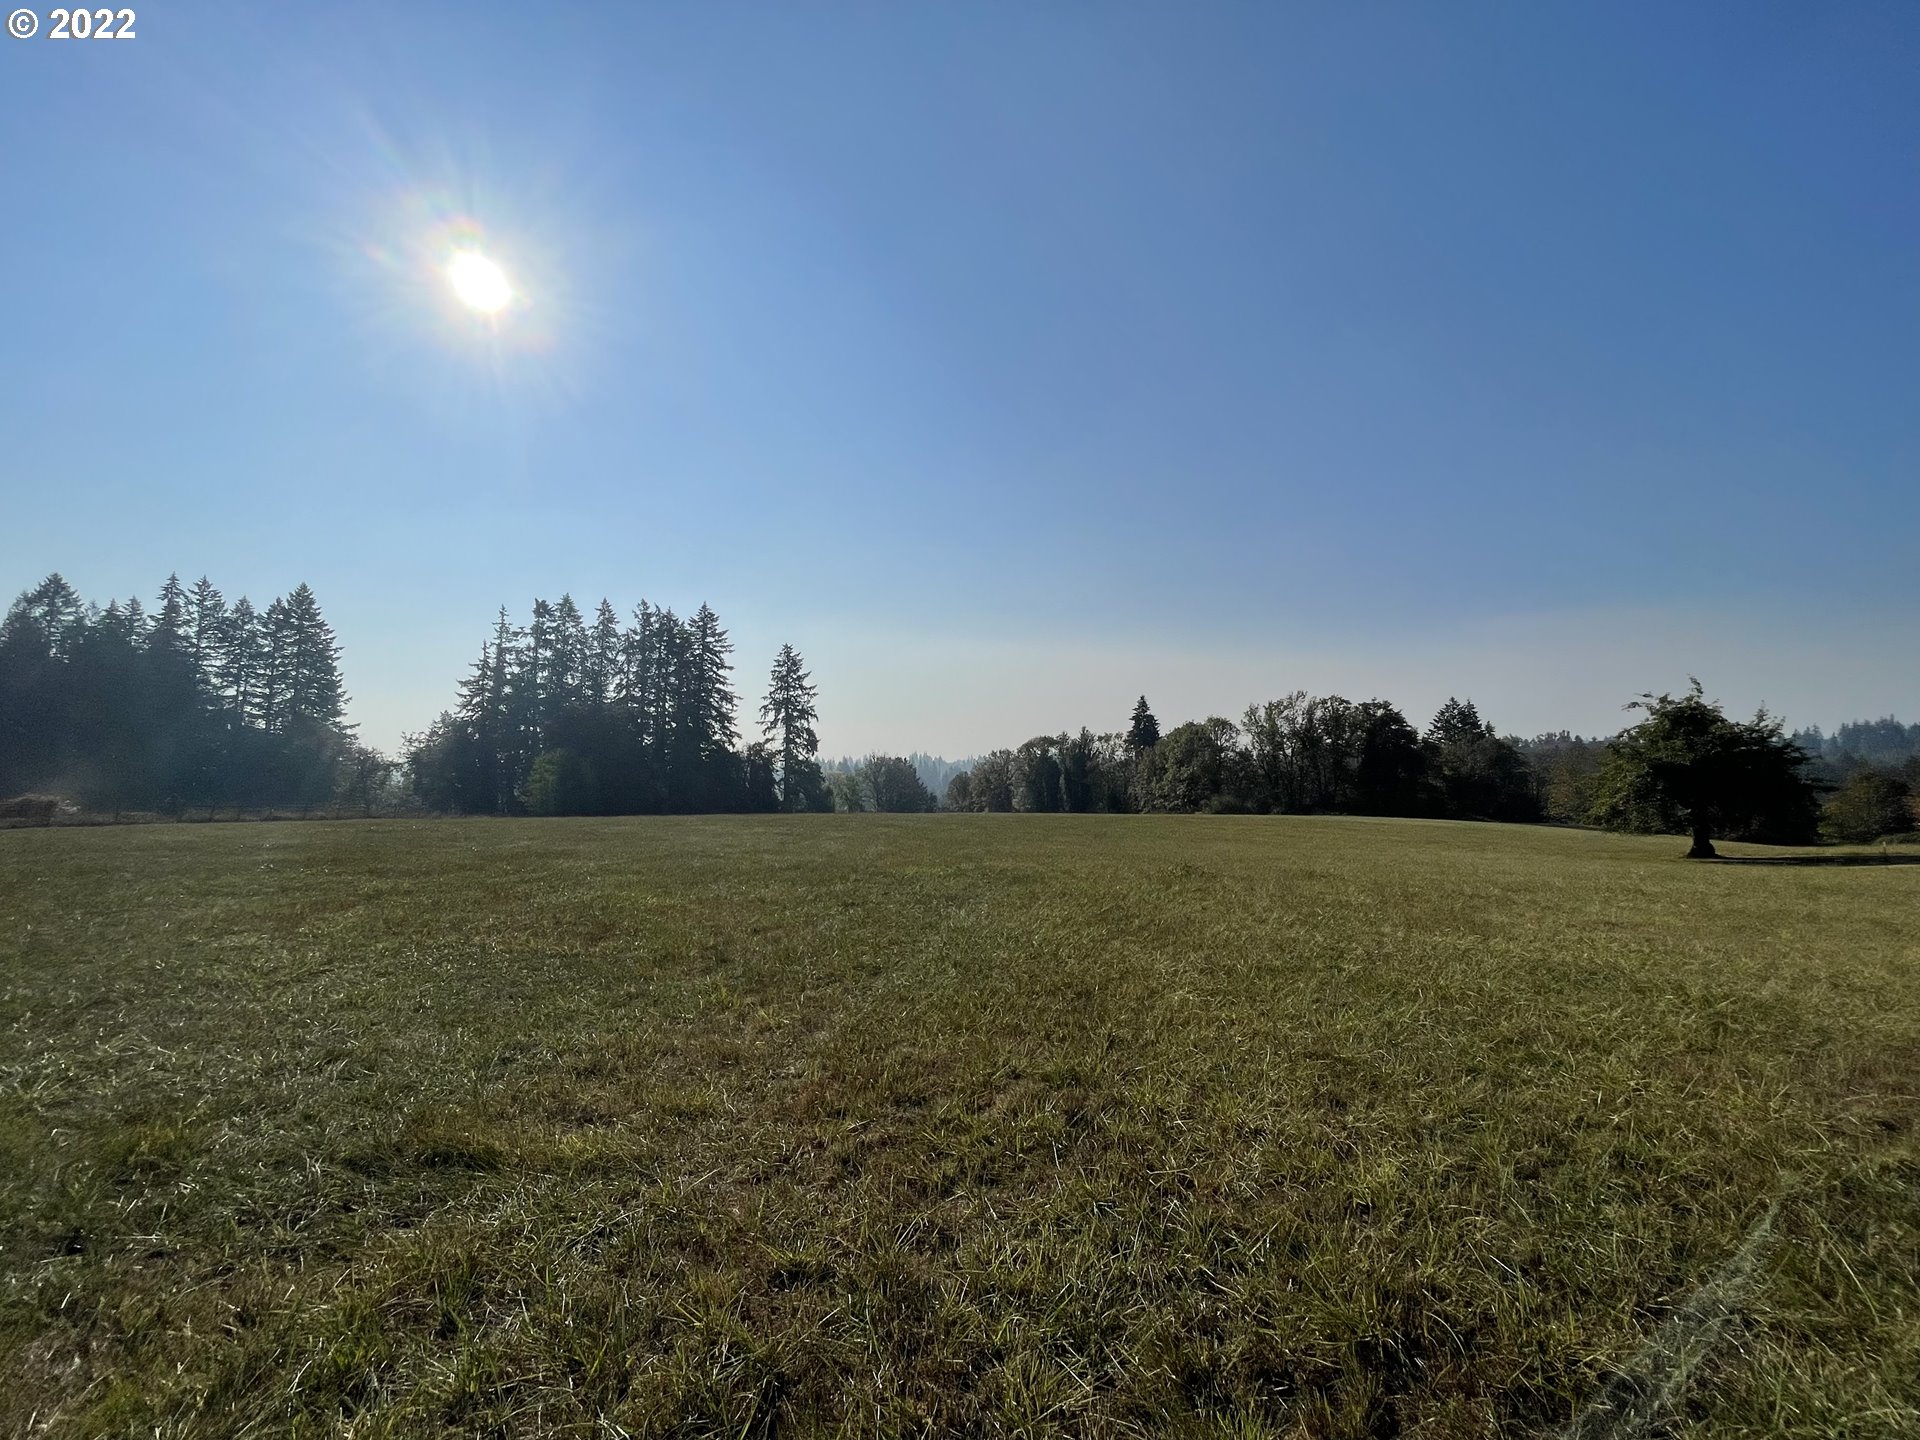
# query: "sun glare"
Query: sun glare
{"points": [[480, 284]]}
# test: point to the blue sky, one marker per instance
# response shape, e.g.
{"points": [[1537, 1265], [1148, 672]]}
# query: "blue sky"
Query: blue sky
{"points": [[1010, 360]]}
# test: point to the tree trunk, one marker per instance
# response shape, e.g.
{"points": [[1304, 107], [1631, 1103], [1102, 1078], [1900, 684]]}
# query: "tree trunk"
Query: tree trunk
{"points": [[1702, 842]]}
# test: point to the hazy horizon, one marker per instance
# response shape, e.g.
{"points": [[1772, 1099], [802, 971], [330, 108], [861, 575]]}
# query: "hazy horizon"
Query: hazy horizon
{"points": [[1528, 675]]}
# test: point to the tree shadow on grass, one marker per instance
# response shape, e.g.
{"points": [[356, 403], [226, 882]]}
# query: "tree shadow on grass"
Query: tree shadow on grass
{"points": [[1815, 860]]}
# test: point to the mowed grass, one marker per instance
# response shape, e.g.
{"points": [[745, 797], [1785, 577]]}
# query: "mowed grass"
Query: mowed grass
{"points": [[992, 1125]]}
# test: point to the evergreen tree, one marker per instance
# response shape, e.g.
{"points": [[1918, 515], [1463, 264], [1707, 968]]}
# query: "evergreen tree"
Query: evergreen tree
{"points": [[604, 648], [180, 763], [512, 732], [126, 622], [36, 638], [54, 606], [1480, 776], [276, 666], [639, 687], [569, 657], [313, 691], [714, 702], [1456, 723], [105, 731], [672, 721], [206, 632], [473, 781], [535, 671], [128, 714], [787, 718], [242, 665], [1143, 732], [645, 717], [169, 629], [705, 772]]}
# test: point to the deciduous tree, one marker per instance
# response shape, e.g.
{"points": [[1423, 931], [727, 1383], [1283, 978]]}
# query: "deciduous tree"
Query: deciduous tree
{"points": [[1687, 766]]}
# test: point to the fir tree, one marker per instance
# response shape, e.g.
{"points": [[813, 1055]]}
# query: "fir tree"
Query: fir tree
{"points": [[513, 701], [675, 722], [787, 718], [157, 715], [603, 657], [276, 664], [242, 664], [535, 670], [169, 630], [206, 632], [313, 690], [56, 609], [568, 658], [479, 754], [638, 664], [1457, 723], [1480, 776], [1144, 731], [713, 701]]}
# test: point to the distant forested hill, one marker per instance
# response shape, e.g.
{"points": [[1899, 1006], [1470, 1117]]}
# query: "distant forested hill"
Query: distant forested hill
{"points": [[1884, 742], [933, 770]]}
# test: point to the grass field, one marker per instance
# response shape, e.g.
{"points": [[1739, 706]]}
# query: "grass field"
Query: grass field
{"points": [[976, 1124]]}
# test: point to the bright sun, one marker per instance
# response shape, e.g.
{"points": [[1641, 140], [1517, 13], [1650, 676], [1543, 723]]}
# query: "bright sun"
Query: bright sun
{"points": [[480, 284]]}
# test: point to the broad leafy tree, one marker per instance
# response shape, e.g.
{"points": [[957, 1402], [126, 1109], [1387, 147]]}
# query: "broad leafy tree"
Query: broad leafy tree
{"points": [[1687, 767], [1196, 766], [960, 792], [1037, 765], [1872, 803], [890, 784]]}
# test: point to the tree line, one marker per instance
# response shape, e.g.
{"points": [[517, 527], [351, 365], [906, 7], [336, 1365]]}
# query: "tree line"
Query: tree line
{"points": [[196, 704], [202, 703], [1684, 766], [1301, 754], [562, 717]]}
